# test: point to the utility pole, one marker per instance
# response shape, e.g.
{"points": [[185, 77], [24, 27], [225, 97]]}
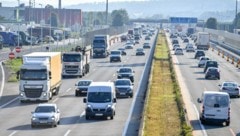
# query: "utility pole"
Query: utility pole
{"points": [[106, 12], [236, 17]]}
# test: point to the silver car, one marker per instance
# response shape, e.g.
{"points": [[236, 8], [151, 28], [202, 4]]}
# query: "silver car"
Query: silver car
{"points": [[230, 87], [46, 114], [202, 61]]}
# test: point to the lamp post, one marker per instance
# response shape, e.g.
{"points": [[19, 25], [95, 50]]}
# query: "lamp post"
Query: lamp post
{"points": [[41, 26], [236, 17]]}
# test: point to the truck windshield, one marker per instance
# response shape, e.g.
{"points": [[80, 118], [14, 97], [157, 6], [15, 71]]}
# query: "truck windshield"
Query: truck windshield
{"points": [[71, 57], [99, 97], [98, 43], [33, 74]]}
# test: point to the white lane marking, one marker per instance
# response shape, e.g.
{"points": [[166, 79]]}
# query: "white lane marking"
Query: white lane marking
{"points": [[14, 132], [3, 80], [66, 134], [68, 89], [202, 127], [55, 100], [4, 105], [82, 114], [232, 132]]}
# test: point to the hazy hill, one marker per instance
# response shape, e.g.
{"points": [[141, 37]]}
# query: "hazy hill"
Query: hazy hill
{"points": [[166, 8]]}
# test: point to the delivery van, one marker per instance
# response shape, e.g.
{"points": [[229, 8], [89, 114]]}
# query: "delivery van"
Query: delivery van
{"points": [[215, 107], [100, 100]]}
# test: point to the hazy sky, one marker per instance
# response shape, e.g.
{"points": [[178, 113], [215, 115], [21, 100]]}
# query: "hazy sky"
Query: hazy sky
{"points": [[13, 3]]}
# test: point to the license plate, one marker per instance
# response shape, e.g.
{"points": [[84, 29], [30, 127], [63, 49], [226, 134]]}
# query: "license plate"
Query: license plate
{"points": [[122, 93], [98, 114], [43, 122]]}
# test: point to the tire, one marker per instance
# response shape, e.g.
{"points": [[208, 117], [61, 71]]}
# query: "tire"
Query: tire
{"points": [[76, 93], [33, 126], [50, 95], [131, 95], [227, 123], [87, 117], [203, 121], [112, 117], [22, 101]]}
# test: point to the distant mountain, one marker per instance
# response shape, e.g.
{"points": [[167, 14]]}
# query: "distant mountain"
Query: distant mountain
{"points": [[166, 8]]}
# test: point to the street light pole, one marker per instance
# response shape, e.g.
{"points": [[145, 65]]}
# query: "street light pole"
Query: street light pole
{"points": [[236, 17], [41, 26]]}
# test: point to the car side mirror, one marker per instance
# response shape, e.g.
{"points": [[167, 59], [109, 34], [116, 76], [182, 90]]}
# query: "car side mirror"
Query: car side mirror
{"points": [[114, 100], [199, 100], [84, 100]]}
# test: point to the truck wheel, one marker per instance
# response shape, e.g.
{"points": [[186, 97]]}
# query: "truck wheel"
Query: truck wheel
{"points": [[50, 95]]}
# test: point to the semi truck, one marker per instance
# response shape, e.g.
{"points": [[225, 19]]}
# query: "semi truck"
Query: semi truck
{"points": [[101, 45], [76, 63], [203, 40], [40, 76], [10, 38]]}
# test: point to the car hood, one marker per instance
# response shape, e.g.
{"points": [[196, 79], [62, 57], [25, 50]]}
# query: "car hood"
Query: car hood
{"points": [[50, 114]]}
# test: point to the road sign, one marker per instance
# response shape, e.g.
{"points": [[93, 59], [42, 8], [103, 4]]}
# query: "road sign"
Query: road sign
{"points": [[18, 49], [183, 20], [11, 55]]}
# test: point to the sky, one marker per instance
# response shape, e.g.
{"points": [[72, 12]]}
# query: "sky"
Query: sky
{"points": [[54, 3]]}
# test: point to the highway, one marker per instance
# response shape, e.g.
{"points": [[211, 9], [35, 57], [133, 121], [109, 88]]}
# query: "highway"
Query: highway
{"points": [[16, 116], [195, 82]]}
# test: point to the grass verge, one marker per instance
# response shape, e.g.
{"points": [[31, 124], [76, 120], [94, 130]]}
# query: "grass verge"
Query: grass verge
{"points": [[164, 110], [12, 67]]}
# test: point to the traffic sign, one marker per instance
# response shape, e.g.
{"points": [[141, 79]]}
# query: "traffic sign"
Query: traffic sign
{"points": [[18, 49], [183, 20], [11, 55]]}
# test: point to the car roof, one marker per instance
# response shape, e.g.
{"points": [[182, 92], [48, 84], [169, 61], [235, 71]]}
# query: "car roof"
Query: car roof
{"points": [[215, 92], [47, 104]]}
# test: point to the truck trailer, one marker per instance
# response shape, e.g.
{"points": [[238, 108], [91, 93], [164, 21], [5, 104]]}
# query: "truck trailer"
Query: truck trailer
{"points": [[40, 76], [76, 63], [101, 45], [203, 40]]}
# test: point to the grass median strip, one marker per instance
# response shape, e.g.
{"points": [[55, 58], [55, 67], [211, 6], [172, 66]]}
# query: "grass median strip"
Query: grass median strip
{"points": [[163, 113]]}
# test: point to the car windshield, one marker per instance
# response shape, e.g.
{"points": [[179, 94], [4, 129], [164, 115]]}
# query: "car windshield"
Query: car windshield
{"points": [[139, 49], [125, 70], [122, 82], [44, 109], [146, 44], [230, 85], [212, 70], [84, 83], [115, 52], [99, 97], [216, 101]]}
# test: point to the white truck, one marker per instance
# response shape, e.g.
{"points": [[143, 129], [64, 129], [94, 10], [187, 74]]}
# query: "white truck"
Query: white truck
{"points": [[203, 40], [40, 76], [76, 63], [101, 46]]}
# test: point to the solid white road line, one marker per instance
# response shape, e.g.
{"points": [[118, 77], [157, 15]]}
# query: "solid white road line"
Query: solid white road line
{"points": [[232, 132], [4, 105], [3, 80], [66, 134], [202, 127], [82, 114], [14, 132], [68, 89]]}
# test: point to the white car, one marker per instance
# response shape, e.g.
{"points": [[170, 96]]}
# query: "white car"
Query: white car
{"points": [[46, 114], [230, 87], [178, 51], [215, 107], [203, 60]]}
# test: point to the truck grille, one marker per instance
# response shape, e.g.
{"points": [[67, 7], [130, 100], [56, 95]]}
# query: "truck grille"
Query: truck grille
{"points": [[96, 110], [71, 67], [33, 92], [71, 71]]}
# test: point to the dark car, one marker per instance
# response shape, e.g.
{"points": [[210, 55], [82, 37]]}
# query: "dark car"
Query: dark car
{"points": [[146, 45], [124, 88], [210, 63], [140, 51], [82, 87], [123, 38], [115, 55], [175, 41], [126, 72], [123, 51], [199, 53], [147, 37], [212, 73], [185, 40]]}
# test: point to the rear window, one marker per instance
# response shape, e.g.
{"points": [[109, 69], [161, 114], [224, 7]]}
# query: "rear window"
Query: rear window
{"points": [[216, 101]]}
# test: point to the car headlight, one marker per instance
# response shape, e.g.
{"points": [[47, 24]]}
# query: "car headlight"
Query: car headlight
{"points": [[89, 108], [44, 94], [53, 117], [21, 94], [34, 118], [129, 89], [109, 108]]}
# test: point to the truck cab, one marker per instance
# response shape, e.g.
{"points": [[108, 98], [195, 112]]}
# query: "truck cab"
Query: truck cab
{"points": [[101, 45]]}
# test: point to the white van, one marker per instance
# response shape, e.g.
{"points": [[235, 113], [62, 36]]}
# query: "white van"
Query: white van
{"points": [[101, 100], [215, 107]]}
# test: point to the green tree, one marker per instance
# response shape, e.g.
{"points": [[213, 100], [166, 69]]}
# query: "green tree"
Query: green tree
{"points": [[211, 23], [236, 21], [119, 17]]}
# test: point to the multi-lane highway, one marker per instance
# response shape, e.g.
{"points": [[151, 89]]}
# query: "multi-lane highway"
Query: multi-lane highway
{"points": [[16, 116], [193, 78]]}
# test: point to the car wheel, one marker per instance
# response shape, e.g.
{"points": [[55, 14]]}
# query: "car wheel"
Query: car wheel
{"points": [[87, 117], [227, 123], [76, 93], [206, 77], [111, 117], [32, 126]]}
